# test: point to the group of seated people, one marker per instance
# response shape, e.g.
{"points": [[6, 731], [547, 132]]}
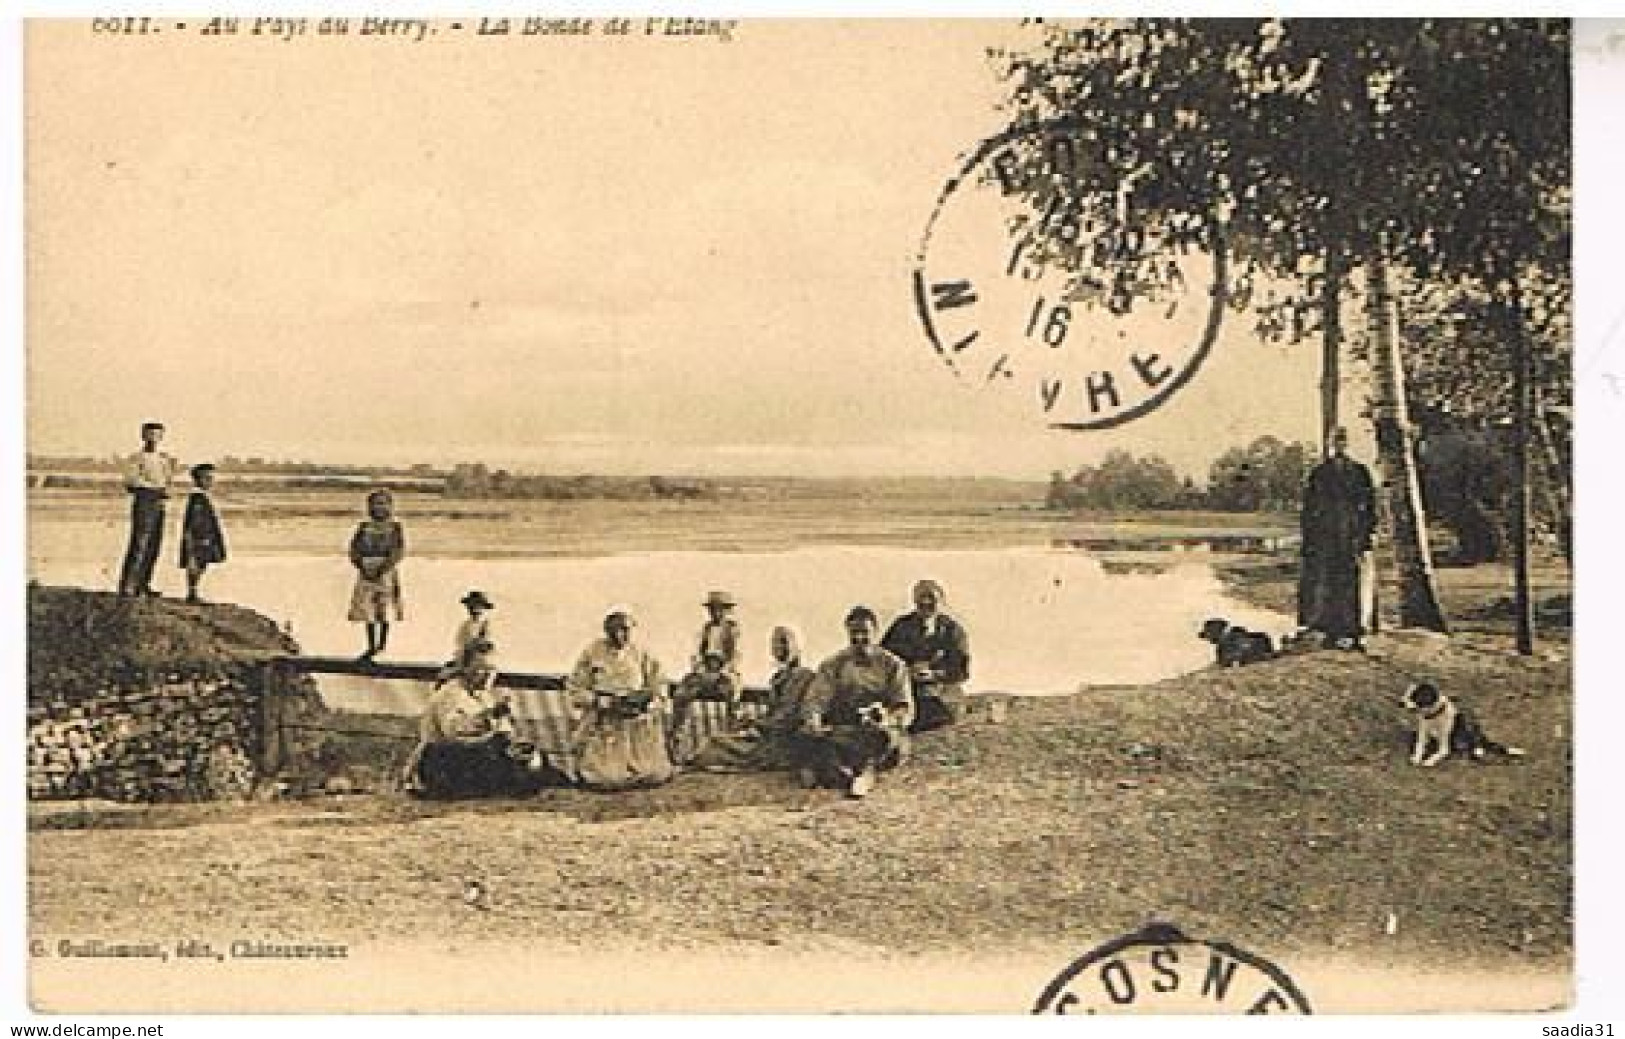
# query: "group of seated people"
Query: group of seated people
{"points": [[838, 725]]}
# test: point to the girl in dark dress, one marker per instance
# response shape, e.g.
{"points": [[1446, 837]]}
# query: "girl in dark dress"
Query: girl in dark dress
{"points": [[203, 543]]}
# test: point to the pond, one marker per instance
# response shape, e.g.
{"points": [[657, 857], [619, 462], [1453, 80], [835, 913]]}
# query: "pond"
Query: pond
{"points": [[1041, 618]]}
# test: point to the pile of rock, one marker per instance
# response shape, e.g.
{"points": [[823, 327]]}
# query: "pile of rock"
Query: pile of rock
{"points": [[178, 738], [144, 700]]}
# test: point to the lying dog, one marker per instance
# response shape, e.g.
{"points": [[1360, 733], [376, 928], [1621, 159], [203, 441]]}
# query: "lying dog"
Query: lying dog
{"points": [[1234, 645], [1447, 729]]}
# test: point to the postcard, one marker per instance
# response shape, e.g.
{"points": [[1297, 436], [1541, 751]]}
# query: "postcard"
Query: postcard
{"points": [[694, 515]]}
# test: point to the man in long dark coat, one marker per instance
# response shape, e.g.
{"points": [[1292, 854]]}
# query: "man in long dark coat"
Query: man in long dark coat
{"points": [[1339, 517]]}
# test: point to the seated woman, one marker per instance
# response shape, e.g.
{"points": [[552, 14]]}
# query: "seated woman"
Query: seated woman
{"points": [[937, 652], [466, 746], [619, 700], [777, 741]]}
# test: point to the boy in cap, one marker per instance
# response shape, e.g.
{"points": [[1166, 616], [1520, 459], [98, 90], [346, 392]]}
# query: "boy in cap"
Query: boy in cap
{"points": [[203, 543]]}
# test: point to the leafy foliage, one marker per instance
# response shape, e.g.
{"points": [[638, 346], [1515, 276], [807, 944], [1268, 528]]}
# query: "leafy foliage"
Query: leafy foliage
{"points": [[1444, 142], [1120, 481], [1265, 476]]}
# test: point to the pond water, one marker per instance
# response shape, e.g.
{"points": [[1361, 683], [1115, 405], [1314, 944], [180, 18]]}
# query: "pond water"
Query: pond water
{"points": [[1041, 619]]}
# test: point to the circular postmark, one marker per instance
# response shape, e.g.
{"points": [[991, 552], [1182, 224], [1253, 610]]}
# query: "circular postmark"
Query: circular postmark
{"points": [[1041, 273], [1161, 970]]}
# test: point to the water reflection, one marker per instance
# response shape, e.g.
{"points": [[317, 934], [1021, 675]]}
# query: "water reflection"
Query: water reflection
{"points": [[1040, 619]]}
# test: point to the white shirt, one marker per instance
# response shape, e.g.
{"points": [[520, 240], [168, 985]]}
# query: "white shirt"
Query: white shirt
{"points": [[458, 714], [150, 470], [472, 630]]}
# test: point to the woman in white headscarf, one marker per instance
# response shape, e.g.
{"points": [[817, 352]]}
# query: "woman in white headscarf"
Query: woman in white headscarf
{"points": [[776, 741], [937, 652], [618, 695]]}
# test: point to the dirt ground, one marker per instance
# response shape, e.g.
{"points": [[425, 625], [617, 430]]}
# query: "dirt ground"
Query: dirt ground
{"points": [[1272, 806]]}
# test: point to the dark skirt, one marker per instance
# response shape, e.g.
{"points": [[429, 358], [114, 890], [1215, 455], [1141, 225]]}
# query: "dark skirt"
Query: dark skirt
{"points": [[1329, 594], [485, 769]]}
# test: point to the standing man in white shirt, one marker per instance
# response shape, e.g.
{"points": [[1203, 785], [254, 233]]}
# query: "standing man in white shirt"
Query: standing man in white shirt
{"points": [[147, 475]]}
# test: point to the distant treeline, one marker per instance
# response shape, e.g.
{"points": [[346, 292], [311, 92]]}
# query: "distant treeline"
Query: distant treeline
{"points": [[468, 480], [75, 464], [477, 481], [1265, 476], [111, 481], [465, 480]]}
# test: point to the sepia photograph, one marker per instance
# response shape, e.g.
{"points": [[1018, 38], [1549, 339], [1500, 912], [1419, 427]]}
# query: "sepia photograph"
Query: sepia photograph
{"points": [[698, 515]]}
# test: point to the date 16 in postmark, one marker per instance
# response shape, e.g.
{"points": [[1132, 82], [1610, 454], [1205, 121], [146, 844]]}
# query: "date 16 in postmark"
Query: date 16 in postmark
{"points": [[1031, 279]]}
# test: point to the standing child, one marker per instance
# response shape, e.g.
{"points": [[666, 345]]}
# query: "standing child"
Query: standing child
{"points": [[474, 635], [203, 543], [376, 550], [714, 674]]}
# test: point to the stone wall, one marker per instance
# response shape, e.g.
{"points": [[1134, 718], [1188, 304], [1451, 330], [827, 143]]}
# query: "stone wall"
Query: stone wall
{"points": [[175, 739]]}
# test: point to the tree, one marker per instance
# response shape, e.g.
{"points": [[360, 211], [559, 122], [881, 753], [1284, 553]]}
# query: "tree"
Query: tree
{"points": [[1120, 481], [1265, 476], [1306, 149], [1446, 323], [1060, 494]]}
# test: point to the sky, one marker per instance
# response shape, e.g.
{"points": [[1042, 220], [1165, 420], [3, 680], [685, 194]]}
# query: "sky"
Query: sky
{"points": [[651, 254]]}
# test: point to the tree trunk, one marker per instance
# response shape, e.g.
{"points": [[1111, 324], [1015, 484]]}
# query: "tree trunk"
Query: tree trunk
{"points": [[1556, 484], [1418, 601], [1525, 615], [1331, 344]]}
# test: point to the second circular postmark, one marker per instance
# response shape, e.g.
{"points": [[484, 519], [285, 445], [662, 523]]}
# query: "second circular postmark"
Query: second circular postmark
{"points": [[1162, 970]]}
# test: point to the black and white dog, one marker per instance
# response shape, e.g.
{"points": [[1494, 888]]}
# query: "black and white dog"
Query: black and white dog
{"points": [[1444, 728], [1234, 645]]}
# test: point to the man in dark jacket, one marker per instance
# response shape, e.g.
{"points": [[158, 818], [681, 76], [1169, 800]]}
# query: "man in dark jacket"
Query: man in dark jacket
{"points": [[1339, 518]]}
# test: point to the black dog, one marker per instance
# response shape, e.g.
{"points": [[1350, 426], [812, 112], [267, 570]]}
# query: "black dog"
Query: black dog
{"points": [[1233, 645]]}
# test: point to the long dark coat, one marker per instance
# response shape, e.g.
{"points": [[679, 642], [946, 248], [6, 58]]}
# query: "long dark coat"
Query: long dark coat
{"points": [[948, 649], [1339, 518], [202, 540]]}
